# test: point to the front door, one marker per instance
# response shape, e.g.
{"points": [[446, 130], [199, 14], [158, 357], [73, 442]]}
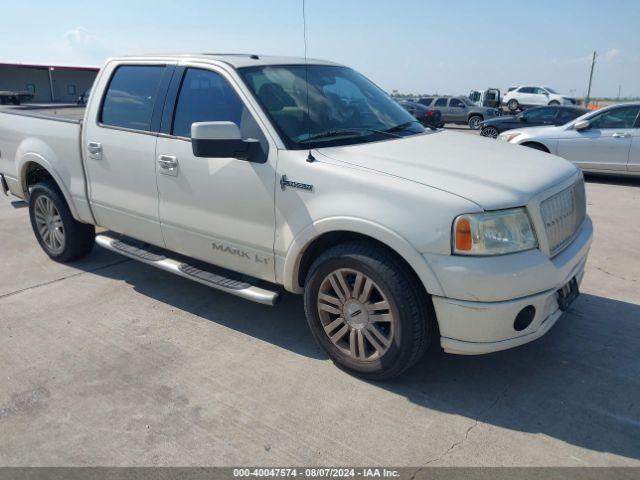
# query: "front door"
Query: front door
{"points": [[605, 144], [457, 110], [119, 145], [219, 210]]}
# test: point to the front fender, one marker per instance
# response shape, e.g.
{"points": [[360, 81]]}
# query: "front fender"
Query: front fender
{"points": [[291, 262]]}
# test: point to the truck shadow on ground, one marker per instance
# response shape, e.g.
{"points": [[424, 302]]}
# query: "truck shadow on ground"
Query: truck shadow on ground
{"points": [[579, 384], [622, 180]]}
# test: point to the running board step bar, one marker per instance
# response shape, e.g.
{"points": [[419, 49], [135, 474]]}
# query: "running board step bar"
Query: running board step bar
{"points": [[158, 258]]}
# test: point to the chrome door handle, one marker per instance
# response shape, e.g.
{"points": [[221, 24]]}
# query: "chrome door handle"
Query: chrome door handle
{"points": [[168, 165], [621, 135], [95, 150]]}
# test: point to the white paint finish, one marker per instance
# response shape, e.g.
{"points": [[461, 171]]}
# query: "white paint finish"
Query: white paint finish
{"points": [[403, 192], [490, 174], [215, 131], [123, 189], [219, 210]]}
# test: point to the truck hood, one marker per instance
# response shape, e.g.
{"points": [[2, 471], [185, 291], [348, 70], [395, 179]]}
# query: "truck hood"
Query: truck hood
{"points": [[492, 174]]}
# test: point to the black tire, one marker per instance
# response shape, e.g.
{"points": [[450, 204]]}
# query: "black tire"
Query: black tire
{"points": [[489, 132], [474, 122], [554, 102], [79, 238], [536, 146], [513, 105], [414, 318]]}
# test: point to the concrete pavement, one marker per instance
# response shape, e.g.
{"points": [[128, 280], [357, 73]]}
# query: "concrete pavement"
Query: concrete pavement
{"points": [[111, 362]]}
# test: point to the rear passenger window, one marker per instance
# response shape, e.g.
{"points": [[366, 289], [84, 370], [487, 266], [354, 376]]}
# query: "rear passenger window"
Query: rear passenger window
{"points": [[130, 97], [441, 102], [205, 97]]}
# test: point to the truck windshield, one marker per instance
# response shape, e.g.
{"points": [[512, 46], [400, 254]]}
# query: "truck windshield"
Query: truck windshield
{"points": [[344, 107]]}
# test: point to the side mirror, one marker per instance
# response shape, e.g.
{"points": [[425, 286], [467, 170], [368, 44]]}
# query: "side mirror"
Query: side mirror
{"points": [[582, 125], [463, 105], [222, 140]]}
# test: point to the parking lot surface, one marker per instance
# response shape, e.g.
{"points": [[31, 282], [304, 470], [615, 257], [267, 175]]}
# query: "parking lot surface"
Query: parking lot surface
{"points": [[111, 362]]}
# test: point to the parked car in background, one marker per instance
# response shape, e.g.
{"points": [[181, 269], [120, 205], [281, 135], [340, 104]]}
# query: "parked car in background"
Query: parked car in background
{"points": [[459, 110], [207, 167], [535, 117], [16, 98], [429, 117], [84, 97], [607, 140], [531, 96], [486, 98]]}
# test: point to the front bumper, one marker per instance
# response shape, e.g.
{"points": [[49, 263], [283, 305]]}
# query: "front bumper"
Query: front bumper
{"points": [[479, 318]]}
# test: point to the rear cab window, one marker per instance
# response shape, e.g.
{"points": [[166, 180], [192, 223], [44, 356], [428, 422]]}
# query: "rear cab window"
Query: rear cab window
{"points": [[131, 96]]}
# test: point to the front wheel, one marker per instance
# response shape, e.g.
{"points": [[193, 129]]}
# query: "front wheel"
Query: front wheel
{"points": [[367, 310], [554, 102], [61, 237], [489, 131]]}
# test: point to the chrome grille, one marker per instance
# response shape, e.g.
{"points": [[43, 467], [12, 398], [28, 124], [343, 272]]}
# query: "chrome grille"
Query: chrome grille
{"points": [[562, 214]]}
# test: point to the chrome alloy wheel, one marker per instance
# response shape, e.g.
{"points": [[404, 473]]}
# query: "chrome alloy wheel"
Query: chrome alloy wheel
{"points": [[489, 132], [49, 224], [356, 315]]}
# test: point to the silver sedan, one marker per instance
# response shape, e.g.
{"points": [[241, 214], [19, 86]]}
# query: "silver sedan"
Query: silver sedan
{"points": [[606, 140]]}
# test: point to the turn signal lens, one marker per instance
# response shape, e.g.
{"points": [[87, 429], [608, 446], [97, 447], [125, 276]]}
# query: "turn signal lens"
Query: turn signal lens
{"points": [[493, 233], [463, 235]]}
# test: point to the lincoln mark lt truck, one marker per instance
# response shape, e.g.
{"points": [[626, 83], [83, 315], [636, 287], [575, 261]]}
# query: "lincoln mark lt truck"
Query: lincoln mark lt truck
{"points": [[255, 175]]}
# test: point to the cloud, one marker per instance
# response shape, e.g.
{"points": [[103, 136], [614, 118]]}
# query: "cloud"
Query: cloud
{"points": [[611, 54], [85, 45]]}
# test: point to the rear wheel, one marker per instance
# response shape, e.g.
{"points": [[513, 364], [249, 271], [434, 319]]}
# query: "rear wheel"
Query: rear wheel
{"points": [[491, 132], [61, 237], [513, 105], [474, 122], [367, 310]]}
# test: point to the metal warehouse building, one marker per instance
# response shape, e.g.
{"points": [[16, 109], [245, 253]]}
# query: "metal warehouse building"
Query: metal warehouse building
{"points": [[49, 83]]}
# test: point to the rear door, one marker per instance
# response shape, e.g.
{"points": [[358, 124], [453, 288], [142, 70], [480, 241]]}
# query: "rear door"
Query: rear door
{"points": [[525, 96], [119, 145], [606, 144], [441, 105], [219, 210]]}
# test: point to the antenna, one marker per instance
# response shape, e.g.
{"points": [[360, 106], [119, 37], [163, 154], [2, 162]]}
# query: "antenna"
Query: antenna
{"points": [[310, 157]]}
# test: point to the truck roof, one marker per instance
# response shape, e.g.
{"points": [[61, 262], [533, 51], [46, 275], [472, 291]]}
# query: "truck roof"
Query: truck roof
{"points": [[235, 60]]}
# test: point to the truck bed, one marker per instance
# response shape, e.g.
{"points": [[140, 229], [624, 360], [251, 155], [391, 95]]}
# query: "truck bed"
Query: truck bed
{"points": [[50, 138], [53, 112]]}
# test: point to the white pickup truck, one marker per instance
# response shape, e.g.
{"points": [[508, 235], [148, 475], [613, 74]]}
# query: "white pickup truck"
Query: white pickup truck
{"points": [[255, 174]]}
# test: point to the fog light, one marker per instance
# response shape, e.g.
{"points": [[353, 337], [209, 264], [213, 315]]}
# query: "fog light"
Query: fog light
{"points": [[524, 318]]}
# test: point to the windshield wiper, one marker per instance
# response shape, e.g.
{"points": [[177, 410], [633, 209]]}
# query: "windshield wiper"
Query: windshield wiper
{"points": [[347, 131], [402, 126]]}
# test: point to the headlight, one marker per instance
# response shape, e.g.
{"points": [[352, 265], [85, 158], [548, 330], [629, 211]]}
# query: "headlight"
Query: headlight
{"points": [[493, 233], [508, 136]]}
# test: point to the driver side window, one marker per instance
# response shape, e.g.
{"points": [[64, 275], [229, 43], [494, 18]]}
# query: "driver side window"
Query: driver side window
{"points": [[455, 102], [623, 117]]}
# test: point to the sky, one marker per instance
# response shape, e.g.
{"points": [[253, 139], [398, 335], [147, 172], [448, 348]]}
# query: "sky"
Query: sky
{"points": [[413, 46]]}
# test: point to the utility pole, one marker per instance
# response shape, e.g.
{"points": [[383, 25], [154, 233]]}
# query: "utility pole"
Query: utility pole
{"points": [[593, 63], [619, 90]]}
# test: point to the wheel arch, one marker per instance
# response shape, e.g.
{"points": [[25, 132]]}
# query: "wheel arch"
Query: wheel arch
{"points": [[538, 145], [310, 242], [33, 168]]}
